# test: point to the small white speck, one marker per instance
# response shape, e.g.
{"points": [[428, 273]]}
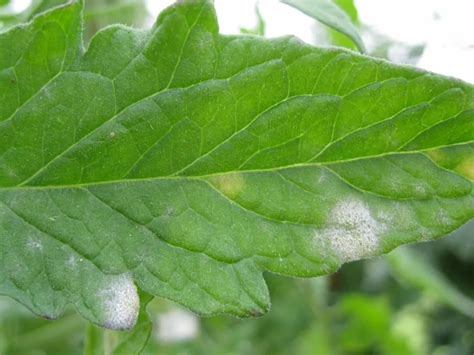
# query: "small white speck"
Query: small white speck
{"points": [[322, 177], [443, 218], [420, 189], [169, 212], [384, 217], [34, 244], [72, 261], [47, 93], [120, 302]]}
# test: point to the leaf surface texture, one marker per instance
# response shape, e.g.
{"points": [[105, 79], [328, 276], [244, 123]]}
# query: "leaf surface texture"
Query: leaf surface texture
{"points": [[186, 163]]}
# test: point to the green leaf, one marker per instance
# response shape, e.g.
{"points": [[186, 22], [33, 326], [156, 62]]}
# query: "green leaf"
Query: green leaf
{"points": [[186, 163], [459, 159], [329, 13], [349, 8], [97, 13], [338, 38], [368, 322], [36, 7], [21, 332], [259, 29], [40, 6]]}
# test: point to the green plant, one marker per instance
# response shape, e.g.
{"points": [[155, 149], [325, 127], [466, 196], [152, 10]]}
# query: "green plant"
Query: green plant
{"points": [[186, 163]]}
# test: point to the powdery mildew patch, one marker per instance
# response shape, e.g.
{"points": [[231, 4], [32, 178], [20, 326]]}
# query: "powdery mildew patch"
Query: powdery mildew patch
{"points": [[120, 303], [34, 244], [352, 233]]}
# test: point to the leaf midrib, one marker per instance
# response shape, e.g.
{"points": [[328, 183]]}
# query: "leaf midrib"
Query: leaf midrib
{"points": [[165, 90], [168, 88], [205, 177]]}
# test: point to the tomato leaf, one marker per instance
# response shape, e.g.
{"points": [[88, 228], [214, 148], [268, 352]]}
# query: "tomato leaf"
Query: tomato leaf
{"points": [[186, 163], [337, 16]]}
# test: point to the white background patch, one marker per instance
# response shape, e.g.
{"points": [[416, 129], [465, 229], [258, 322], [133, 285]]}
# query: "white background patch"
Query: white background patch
{"points": [[177, 325]]}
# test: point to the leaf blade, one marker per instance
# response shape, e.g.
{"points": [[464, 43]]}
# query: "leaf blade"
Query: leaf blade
{"points": [[191, 184], [330, 14]]}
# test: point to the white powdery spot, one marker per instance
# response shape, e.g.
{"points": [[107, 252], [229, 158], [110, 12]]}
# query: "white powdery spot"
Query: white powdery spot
{"points": [[72, 261], [352, 233], [35, 244], [420, 189], [121, 303], [443, 219]]}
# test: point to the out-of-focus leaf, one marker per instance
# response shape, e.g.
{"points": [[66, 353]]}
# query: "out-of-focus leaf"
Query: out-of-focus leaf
{"points": [[317, 340], [349, 8], [367, 321], [329, 13], [408, 333], [97, 13], [39, 6], [461, 243], [367, 327], [36, 7], [339, 39], [95, 339], [100, 341], [4, 2], [410, 267], [101, 13], [27, 335], [259, 29]]}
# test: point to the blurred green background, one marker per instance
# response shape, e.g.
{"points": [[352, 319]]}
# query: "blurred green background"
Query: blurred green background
{"points": [[416, 300]]}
